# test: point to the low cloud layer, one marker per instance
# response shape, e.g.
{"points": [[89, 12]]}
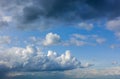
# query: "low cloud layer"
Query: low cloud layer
{"points": [[105, 73]]}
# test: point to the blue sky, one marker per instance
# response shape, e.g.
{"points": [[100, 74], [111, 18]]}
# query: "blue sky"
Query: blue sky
{"points": [[59, 35]]}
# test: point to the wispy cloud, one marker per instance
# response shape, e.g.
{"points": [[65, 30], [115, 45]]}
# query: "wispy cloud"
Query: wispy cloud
{"points": [[5, 39], [82, 39], [86, 26]]}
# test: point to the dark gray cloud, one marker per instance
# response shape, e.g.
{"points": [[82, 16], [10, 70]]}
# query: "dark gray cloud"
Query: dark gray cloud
{"points": [[44, 14], [71, 9]]}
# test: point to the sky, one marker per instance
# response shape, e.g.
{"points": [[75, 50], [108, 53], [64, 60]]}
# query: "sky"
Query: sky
{"points": [[59, 36]]}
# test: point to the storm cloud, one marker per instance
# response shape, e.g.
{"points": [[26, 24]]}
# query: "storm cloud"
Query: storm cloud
{"points": [[43, 14]]}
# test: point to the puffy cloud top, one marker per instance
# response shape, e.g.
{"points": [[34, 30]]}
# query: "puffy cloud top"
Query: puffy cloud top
{"points": [[32, 59], [51, 39]]}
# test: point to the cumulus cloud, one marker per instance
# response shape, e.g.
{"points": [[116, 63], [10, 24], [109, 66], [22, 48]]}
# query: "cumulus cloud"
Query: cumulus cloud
{"points": [[51, 39], [32, 59]]}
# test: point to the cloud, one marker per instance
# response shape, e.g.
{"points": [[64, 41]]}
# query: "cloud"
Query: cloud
{"points": [[86, 65], [103, 73], [4, 20], [5, 40], [39, 14], [82, 40], [114, 63], [80, 36], [100, 40], [7, 18], [117, 34], [113, 46], [74, 41], [114, 25], [51, 39], [32, 59], [85, 26]]}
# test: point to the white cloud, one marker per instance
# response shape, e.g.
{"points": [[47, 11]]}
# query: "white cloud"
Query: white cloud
{"points": [[107, 73], [113, 46], [51, 39], [114, 25], [102, 73], [5, 40], [117, 34], [32, 59], [100, 40], [4, 20], [81, 40], [80, 36], [7, 18], [86, 65], [86, 26], [77, 42]]}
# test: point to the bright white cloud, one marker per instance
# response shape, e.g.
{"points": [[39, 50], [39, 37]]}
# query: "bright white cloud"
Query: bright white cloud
{"points": [[32, 59], [86, 26], [51, 39]]}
